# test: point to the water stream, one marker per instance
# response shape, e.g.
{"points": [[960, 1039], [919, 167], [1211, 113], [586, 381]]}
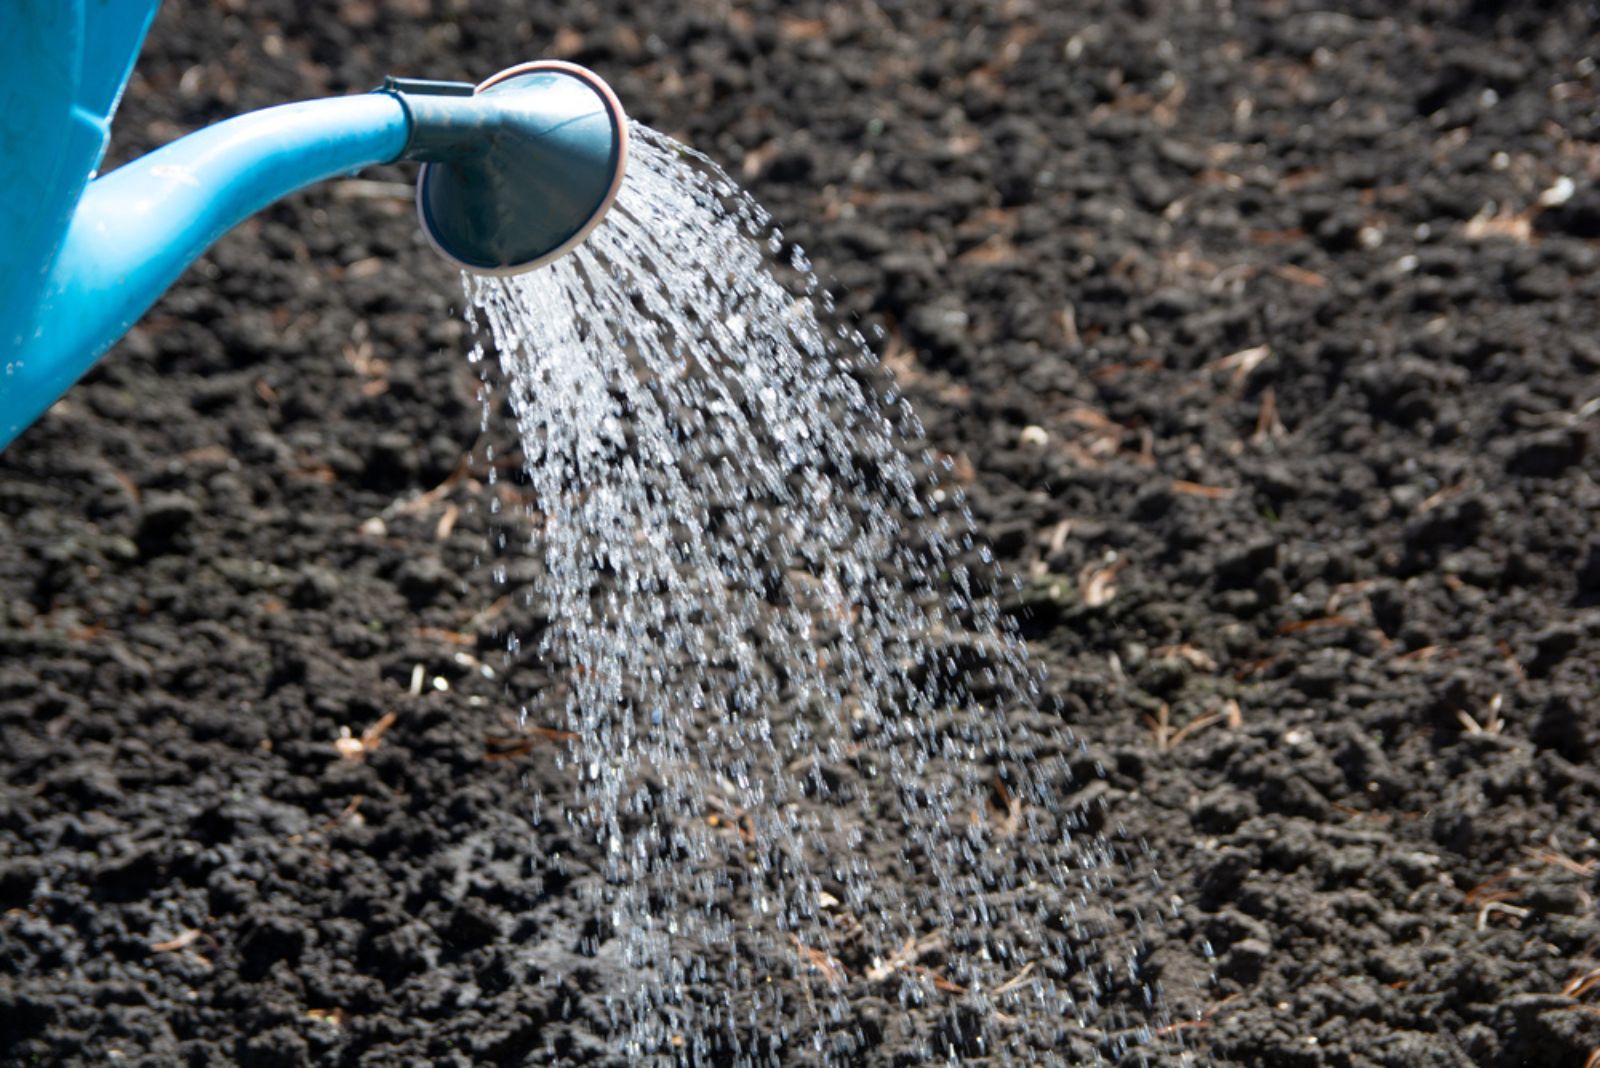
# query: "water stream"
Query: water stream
{"points": [[812, 749]]}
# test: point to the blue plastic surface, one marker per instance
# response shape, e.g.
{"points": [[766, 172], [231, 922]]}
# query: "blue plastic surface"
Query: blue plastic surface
{"points": [[64, 65], [136, 229]]}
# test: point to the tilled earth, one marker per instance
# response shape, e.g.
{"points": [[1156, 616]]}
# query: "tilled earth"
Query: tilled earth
{"points": [[1265, 340]]}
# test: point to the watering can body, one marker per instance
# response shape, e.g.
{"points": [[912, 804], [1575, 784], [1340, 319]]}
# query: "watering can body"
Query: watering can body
{"points": [[519, 170], [67, 62]]}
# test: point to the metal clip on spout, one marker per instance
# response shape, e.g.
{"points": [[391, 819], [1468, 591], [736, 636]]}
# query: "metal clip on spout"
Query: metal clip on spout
{"points": [[517, 171]]}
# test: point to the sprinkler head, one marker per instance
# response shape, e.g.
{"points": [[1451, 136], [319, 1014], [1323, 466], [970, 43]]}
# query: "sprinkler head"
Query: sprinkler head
{"points": [[544, 163]]}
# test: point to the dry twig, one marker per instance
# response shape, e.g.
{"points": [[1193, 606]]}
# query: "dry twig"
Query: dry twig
{"points": [[1585, 868], [1192, 655], [1268, 425], [822, 962], [1203, 1021], [1491, 889], [447, 522], [1167, 739], [1194, 726], [1008, 803], [187, 938], [1196, 489], [1241, 363], [1580, 985], [1295, 626], [503, 747], [1016, 980], [449, 637], [910, 951]]}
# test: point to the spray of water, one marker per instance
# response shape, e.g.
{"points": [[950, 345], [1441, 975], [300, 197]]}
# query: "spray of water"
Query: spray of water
{"points": [[808, 743]]}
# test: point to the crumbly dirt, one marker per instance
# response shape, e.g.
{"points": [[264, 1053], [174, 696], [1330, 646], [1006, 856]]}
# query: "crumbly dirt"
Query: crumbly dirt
{"points": [[1265, 340]]}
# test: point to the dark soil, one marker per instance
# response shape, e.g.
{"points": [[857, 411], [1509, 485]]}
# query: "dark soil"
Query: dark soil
{"points": [[1280, 327]]}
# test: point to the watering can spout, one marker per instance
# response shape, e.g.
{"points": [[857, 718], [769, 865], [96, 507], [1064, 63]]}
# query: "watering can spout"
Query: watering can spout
{"points": [[520, 174], [517, 171]]}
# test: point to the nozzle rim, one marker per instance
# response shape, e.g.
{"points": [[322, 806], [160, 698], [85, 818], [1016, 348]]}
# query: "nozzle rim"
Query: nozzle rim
{"points": [[619, 120]]}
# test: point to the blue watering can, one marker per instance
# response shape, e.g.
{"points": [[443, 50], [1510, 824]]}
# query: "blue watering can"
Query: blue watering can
{"points": [[516, 172]]}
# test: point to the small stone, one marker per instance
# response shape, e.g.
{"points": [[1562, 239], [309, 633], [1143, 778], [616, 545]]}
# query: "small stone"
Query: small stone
{"points": [[1299, 738]]}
